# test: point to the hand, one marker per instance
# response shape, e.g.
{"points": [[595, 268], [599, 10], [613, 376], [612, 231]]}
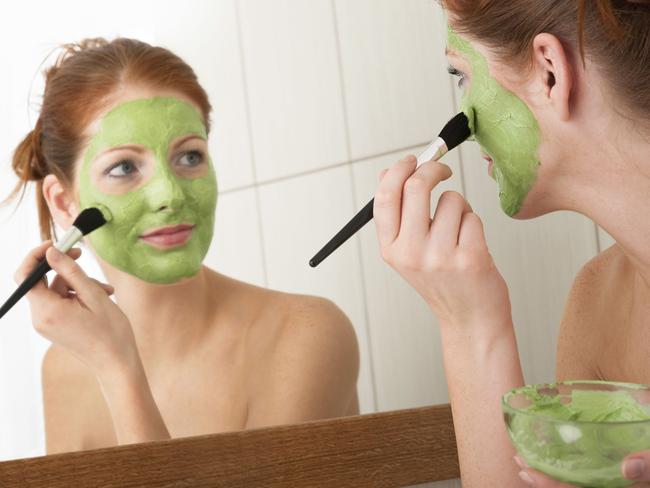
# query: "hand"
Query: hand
{"points": [[630, 468], [445, 258], [75, 312]]}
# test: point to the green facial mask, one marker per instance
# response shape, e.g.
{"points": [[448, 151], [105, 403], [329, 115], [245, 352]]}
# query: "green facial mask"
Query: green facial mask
{"points": [[504, 127], [165, 198]]}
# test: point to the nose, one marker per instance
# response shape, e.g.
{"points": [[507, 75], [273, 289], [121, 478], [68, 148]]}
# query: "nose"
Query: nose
{"points": [[165, 192]]}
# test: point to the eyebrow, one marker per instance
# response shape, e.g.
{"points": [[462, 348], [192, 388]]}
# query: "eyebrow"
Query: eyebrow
{"points": [[449, 51], [131, 147], [187, 138], [140, 149]]}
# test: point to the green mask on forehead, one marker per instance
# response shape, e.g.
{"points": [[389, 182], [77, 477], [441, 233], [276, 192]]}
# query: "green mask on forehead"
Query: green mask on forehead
{"points": [[504, 127], [164, 199]]}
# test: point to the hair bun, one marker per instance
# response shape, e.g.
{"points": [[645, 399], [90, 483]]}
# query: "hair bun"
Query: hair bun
{"points": [[28, 162], [71, 49]]}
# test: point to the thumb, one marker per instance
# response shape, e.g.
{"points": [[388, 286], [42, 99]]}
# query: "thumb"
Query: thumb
{"points": [[635, 466], [71, 272], [540, 480]]}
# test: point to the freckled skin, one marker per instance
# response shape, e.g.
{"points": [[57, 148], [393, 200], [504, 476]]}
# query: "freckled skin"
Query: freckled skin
{"points": [[504, 127], [165, 199]]}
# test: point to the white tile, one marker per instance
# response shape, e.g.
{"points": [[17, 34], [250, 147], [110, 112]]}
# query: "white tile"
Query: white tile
{"points": [[23, 82], [294, 88], [237, 247], [404, 335], [298, 217], [204, 33], [397, 89], [538, 259]]}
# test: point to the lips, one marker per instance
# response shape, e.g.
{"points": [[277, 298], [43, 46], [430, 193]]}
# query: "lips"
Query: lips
{"points": [[170, 236], [490, 162]]}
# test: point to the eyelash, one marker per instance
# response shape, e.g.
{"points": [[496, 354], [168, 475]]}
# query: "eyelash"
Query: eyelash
{"points": [[195, 153], [454, 72], [108, 171]]}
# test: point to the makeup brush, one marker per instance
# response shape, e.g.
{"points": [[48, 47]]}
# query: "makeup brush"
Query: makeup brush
{"points": [[454, 133], [87, 221]]}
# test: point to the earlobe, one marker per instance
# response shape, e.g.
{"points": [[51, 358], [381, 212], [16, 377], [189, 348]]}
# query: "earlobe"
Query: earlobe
{"points": [[555, 72], [62, 206]]}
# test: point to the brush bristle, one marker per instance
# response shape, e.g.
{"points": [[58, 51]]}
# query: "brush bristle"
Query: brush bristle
{"points": [[89, 220], [456, 131]]}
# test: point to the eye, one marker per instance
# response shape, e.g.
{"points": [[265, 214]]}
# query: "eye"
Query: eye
{"points": [[454, 72], [122, 169], [191, 158]]}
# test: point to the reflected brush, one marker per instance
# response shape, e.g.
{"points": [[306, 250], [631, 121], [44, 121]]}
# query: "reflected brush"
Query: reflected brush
{"points": [[456, 131], [87, 221]]}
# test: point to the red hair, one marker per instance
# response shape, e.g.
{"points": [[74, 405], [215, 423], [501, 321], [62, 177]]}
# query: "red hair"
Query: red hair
{"points": [[77, 87], [615, 34]]}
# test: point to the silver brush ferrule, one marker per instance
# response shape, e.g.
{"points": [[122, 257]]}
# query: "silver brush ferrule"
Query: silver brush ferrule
{"points": [[435, 151], [69, 239]]}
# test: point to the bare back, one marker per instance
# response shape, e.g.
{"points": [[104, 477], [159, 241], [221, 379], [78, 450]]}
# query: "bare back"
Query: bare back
{"points": [[605, 331]]}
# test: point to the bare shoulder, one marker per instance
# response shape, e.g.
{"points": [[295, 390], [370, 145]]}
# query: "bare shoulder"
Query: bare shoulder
{"points": [[314, 357], [588, 312], [70, 392], [316, 327]]}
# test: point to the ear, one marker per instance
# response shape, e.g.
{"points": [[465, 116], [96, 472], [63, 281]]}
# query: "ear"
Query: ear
{"points": [[553, 68], [60, 201]]}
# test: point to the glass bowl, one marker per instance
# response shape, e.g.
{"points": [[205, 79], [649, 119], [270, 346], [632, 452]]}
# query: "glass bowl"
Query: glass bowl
{"points": [[579, 432]]}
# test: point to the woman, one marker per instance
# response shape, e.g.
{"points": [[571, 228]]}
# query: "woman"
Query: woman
{"points": [[182, 350], [561, 96]]}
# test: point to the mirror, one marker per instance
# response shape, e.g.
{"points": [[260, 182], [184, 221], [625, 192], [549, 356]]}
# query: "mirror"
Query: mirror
{"points": [[310, 101]]}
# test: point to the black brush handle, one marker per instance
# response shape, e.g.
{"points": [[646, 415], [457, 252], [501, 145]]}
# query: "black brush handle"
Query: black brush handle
{"points": [[358, 221], [34, 277]]}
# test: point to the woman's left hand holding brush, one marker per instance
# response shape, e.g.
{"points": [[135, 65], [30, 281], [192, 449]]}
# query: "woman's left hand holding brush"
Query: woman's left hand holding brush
{"points": [[76, 313]]}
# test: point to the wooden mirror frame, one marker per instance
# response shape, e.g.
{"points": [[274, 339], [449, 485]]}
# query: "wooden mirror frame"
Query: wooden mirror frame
{"points": [[401, 448]]}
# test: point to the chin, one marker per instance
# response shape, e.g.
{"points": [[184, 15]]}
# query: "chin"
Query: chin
{"points": [[536, 204]]}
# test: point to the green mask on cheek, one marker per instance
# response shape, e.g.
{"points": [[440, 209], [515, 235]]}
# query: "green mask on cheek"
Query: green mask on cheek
{"points": [[504, 127], [165, 198]]}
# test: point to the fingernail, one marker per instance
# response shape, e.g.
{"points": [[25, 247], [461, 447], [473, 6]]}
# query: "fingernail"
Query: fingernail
{"points": [[633, 468], [519, 462], [525, 477], [55, 254]]}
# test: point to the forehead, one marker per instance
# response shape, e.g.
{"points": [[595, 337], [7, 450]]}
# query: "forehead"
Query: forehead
{"points": [[127, 94]]}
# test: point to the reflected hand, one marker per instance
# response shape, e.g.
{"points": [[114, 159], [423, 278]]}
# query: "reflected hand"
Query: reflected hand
{"points": [[630, 469], [75, 312], [444, 257]]}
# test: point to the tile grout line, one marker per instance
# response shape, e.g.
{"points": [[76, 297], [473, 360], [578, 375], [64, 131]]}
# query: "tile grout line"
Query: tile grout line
{"points": [[348, 146], [329, 167], [249, 127], [461, 159]]}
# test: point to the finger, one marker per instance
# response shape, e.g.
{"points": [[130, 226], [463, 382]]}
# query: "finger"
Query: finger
{"points": [[471, 235], [416, 200], [74, 253], [60, 287], [445, 227], [104, 286], [388, 200], [382, 173], [33, 258], [539, 480], [72, 273], [635, 467]]}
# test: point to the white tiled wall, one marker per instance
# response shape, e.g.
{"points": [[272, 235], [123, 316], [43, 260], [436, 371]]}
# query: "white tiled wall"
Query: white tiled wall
{"points": [[311, 99]]}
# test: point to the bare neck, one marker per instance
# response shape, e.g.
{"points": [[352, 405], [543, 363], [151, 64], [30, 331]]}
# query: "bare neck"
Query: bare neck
{"points": [[167, 320], [611, 185]]}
